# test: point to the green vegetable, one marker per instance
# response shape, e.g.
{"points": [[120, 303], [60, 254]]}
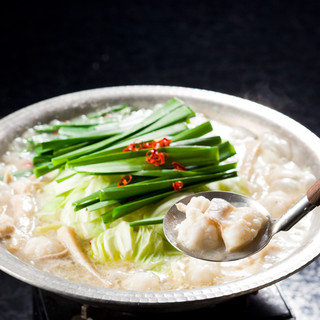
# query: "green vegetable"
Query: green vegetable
{"points": [[94, 148], [195, 132], [150, 186], [120, 242], [133, 161], [123, 222], [129, 207], [147, 222]]}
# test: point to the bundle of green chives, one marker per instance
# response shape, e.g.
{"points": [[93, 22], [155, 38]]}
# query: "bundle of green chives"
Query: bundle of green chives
{"points": [[192, 157]]}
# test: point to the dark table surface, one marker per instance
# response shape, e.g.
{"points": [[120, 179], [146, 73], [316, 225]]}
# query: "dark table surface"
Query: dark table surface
{"points": [[266, 51]]}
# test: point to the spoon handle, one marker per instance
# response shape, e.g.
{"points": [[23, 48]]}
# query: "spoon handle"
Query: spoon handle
{"points": [[299, 210], [313, 193]]}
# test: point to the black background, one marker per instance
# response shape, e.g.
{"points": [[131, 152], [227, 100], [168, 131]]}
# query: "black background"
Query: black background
{"points": [[266, 51]]}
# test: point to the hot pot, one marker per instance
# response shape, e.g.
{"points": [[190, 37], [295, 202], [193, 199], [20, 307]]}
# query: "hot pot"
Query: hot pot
{"points": [[230, 109]]}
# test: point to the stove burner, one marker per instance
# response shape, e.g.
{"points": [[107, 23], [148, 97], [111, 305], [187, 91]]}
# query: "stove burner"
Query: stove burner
{"points": [[267, 303]]}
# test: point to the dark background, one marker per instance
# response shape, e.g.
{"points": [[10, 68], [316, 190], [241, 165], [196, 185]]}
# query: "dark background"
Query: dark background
{"points": [[266, 51]]}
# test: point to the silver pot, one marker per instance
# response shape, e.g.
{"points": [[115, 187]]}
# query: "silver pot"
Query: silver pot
{"points": [[233, 110]]}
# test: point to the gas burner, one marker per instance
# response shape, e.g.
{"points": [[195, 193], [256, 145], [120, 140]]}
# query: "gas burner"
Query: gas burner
{"points": [[267, 303]]}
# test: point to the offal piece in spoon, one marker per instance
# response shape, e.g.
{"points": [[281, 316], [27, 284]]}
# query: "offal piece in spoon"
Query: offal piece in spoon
{"points": [[213, 224]]}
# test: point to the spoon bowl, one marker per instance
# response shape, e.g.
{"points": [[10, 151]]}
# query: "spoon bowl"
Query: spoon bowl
{"points": [[174, 218]]}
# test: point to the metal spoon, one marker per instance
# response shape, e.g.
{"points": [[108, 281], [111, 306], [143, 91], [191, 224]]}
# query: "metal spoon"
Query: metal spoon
{"points": [[174, 217]]}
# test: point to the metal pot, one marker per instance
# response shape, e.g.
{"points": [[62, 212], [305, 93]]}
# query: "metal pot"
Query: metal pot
{"points": [[233, 110]]}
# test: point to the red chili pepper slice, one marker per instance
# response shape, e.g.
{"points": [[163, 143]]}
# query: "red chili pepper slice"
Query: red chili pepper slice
{"points": [[133, 147], [155, 157], [124, 180], [177, 185], [147, 145], [166, 142], [161, 143], [152, 156], [178, 167]]}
